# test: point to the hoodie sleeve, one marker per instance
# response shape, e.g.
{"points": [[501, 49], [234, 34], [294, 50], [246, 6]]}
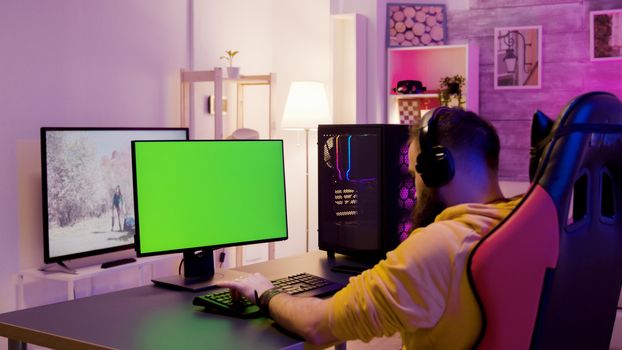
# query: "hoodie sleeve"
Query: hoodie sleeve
{"points": [[408, 289]]}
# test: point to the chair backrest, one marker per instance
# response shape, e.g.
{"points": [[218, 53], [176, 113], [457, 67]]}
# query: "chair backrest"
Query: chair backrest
{"points": [[549, 276]]}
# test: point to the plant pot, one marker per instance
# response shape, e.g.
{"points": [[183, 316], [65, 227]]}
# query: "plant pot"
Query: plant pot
{"points": [[233, 72]]}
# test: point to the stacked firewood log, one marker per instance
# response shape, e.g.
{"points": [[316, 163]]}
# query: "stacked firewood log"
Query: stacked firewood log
{"points": [[416, 25]]}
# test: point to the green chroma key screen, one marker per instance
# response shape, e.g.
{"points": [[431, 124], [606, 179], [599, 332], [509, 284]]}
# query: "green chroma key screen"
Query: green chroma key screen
{"points": [[194, 194]]}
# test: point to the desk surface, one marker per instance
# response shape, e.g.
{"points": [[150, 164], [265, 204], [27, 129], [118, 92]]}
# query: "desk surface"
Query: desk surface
{"points": [[150, 317]]}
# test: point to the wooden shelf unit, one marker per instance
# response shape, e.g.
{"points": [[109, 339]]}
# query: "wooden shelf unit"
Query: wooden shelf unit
{"points": [[90, 272], [429, 64], [215, 76]]}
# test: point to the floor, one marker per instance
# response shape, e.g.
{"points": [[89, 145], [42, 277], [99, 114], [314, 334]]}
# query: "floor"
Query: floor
{"points": [[389, 343]]}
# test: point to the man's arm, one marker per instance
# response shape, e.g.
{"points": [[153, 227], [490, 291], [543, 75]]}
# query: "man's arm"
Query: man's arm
{"points": [[307, 317]]}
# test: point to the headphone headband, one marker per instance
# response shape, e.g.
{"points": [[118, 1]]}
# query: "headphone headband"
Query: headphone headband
{"points": [[428, 133]]}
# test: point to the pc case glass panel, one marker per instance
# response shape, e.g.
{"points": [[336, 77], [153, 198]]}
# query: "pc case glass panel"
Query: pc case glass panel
{"points": [[349, 206]]}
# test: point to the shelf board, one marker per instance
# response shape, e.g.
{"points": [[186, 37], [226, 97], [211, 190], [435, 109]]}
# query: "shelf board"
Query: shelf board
{"points": [[208, 75], [252, 79], [435, 47], [434, 95]]}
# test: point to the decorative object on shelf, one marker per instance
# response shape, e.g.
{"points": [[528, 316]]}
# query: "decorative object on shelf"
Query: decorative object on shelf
{"points": [[210, 105], [305, 108], [232, 72], [606, 35], [409, 87], [518, 57], [450, 93], [411, 109], [416, 25]]}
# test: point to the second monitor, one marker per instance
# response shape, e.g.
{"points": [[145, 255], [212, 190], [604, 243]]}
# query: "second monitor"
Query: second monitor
{"points": [[195, 196]]}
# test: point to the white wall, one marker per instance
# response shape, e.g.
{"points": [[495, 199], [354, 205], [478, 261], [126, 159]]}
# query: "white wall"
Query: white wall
{"points": [[75, 63], [242, 25], [284, 37], [116, 63], [301, 48]]}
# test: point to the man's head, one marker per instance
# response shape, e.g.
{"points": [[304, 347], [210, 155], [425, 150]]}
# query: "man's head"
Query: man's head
{"points": [[459, 164]]}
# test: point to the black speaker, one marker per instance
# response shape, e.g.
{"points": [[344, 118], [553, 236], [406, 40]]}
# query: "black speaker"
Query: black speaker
{"points": [[365, 193]]}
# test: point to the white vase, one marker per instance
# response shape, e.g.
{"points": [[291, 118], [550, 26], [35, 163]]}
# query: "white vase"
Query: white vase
{"points": [[233, 72]]}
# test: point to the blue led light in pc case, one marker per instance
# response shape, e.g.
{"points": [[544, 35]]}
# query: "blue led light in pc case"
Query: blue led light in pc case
{"points": [[365, 193]]}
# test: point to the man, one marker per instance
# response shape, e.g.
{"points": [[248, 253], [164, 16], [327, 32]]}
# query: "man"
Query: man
{"points": [[421, 289], [117, 208]]}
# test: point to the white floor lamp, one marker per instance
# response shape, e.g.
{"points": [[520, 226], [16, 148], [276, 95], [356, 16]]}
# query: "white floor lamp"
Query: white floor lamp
{"points": [[306, 107]]}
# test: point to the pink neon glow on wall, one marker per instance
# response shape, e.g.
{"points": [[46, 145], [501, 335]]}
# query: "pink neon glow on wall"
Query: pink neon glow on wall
{"points": [[425, 66]]}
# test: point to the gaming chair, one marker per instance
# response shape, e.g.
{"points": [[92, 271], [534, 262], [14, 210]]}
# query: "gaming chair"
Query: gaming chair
{"points": [[549, 276]]}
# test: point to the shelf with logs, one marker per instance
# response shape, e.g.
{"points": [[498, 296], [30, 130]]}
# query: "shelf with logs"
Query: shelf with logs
{"points": [[415, 25]]}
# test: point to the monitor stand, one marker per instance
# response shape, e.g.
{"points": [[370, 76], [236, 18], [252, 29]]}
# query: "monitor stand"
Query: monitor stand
{"points": [[199, 273], [63, 268]]}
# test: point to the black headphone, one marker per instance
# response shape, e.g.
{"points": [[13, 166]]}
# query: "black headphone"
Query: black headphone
{"points": [[435, 163]]}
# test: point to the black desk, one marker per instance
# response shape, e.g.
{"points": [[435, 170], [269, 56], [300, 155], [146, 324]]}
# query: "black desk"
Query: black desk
{"points": [[155, 318]]}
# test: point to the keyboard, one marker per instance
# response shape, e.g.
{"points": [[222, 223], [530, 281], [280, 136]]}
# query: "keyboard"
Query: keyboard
{"points": [[302, 284]]}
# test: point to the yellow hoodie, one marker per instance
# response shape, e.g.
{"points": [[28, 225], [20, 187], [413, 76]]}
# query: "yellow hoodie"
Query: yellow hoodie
{"points": [[421, 289]]}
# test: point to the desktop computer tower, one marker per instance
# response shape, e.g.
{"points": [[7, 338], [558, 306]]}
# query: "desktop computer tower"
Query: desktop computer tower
{"points": [[365, 193]]}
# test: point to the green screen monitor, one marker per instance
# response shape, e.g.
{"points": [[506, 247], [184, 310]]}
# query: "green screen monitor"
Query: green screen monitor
{"points": [[196, 196]]}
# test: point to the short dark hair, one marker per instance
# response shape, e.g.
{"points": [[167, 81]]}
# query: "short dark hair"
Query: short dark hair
{"points": [[459, 129]]}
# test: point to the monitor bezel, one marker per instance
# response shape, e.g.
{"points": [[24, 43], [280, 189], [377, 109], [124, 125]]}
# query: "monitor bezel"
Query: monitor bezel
{"points": [[47, 259], [206, 247]]}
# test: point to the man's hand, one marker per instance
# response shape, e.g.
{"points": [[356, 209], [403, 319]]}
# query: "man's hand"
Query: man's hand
{"points": [[307, 317], [247, 286]]}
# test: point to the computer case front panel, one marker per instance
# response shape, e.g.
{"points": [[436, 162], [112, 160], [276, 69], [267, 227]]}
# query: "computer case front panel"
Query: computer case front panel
{"points": [[365, 193]]}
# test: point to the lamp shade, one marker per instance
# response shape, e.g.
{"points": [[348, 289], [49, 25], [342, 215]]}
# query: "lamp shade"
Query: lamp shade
{"points": [[306, 106]]}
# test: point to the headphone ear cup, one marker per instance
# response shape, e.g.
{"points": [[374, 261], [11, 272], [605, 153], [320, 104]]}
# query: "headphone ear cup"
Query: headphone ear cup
{"points": [[436, 168]]}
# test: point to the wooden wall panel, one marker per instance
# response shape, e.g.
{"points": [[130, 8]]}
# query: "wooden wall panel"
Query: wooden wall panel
{"points": [[514, 164], [559, 18], [605, 76], [520, 105], [566, 47], [513, 133], [595, 5], [487, 4], [515, 143], [566, 68]]}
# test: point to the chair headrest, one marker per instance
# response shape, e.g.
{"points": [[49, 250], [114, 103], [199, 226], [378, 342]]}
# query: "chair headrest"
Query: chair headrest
{"points": [[593, 119]]}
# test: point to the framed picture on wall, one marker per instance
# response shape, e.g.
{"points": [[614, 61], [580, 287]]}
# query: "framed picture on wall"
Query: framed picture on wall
{"points": [[606, 35], [518, 57], [416, 25]]}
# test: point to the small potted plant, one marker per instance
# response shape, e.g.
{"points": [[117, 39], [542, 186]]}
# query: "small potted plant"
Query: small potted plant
{"points": [[232, 72], [450, 93]]}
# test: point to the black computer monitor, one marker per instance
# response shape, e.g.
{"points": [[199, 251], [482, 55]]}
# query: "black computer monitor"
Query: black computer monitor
{"points": [[87, 188], [196, 196]]}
